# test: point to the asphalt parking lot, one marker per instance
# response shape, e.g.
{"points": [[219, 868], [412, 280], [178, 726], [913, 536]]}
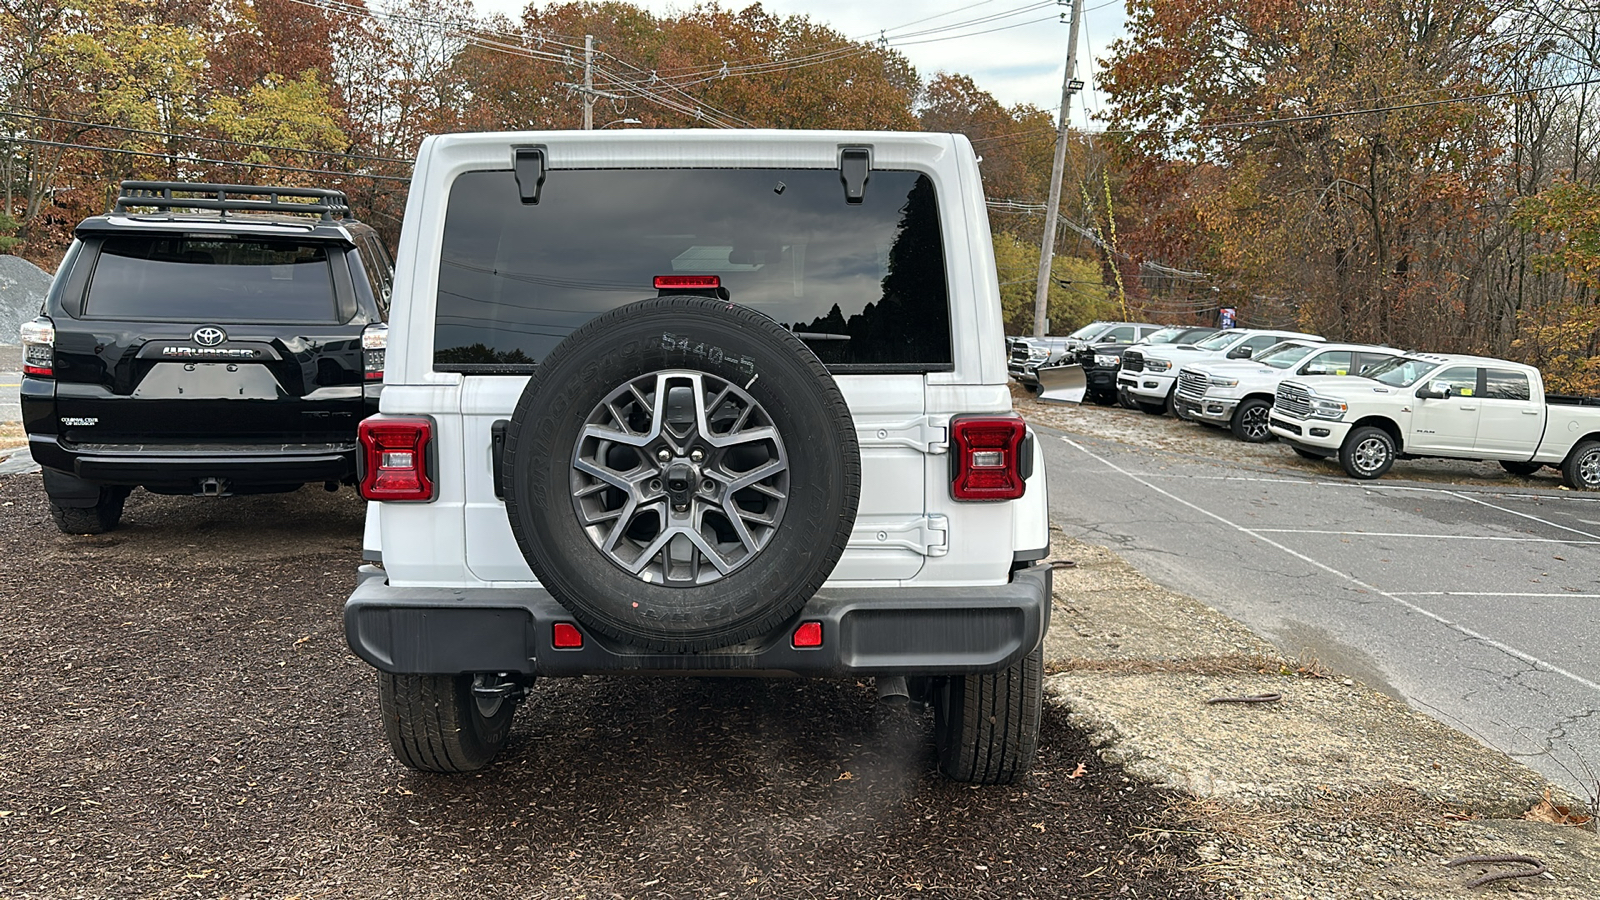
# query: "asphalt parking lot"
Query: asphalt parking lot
{"points": [[1475, 604]]}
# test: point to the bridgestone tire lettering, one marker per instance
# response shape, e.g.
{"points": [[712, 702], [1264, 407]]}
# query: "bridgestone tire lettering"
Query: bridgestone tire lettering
{"points": [[604, 370]]}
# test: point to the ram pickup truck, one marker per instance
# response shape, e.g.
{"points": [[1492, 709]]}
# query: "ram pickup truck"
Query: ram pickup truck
{"points": [[1460, 407], [1100, 361], [1238, 394], [1025, 359], [1149, 376]]}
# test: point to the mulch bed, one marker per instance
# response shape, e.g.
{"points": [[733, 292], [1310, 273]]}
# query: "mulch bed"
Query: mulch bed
{"points": [[179, 716]]}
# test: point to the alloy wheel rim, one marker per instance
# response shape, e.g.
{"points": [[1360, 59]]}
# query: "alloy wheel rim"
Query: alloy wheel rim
{"points": [[680, 477], [1371, 454]]}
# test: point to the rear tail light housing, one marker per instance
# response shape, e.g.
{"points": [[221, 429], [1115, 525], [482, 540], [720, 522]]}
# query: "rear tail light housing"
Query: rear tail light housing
{"points": [[374, 344], [39, 347], [991, 457], [395, 463]]}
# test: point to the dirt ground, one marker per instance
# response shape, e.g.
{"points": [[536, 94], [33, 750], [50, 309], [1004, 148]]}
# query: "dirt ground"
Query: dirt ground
{"points": [[180, 717]]}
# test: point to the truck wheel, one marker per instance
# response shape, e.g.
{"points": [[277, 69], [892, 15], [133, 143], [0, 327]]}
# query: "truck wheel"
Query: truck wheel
{"points": [[1367, 453], [683, 474], [1581, 470], [97, 519], [1250, 421], [436, 723], [986, 727], [1521, 469], [1154, 409]]}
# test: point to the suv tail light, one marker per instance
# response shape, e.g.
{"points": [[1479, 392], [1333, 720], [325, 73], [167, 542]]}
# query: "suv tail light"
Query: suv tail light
{"points": [[394, 456], [374, 342], [991, 458], [39, 347]]}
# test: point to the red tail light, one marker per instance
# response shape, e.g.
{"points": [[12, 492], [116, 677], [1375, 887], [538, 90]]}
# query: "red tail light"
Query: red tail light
{"points": [[394, 453], [688, 282], [39, 347], [988, 462]]}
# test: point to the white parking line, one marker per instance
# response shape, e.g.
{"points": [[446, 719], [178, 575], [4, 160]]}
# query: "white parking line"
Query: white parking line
{"points": [[1509, 650], [1371, 486], [1471, 499], [1488, 594], [1432, 537]]}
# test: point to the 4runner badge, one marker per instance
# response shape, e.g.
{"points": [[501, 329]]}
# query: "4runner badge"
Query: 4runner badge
{"points": [[209, 335]]}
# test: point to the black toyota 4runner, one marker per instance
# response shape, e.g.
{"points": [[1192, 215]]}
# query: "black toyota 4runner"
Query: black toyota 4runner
{"points": [[205, 339]]}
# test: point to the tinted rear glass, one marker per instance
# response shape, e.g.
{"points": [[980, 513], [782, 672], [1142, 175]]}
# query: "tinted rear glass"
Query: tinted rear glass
{"points": [[181, 279], [862, 284]]}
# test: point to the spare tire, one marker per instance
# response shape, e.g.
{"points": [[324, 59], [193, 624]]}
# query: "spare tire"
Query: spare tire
{"points": [[682, 473]]}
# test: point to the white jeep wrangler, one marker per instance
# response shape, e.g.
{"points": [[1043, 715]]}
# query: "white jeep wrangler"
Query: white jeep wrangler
{"points": [[700, 403]]}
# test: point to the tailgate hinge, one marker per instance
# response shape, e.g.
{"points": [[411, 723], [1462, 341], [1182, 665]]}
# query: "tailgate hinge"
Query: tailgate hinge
{"points": [[926, 434], [925, 535]]}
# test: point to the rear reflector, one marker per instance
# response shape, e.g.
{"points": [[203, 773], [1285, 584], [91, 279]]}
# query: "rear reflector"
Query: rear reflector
{"points": [[566, 637], [688, 282], [809, 634], [987, 462], [394, 451]]}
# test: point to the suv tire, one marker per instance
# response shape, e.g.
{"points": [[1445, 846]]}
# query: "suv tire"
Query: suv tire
{"points": [[613, 493], [986, 727], [436, 723], [97, 519]]}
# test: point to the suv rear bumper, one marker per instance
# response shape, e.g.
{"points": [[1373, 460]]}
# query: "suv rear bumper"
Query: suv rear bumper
{"points": [[152, 465], [877, 631]]}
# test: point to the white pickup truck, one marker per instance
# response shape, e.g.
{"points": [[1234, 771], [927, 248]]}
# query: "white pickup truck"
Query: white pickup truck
{"points": [[1148, 376], [1423, 404], [1237, 394]]}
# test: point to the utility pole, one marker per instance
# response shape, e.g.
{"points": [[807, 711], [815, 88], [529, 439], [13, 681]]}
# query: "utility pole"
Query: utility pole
{"points": [[587, 88], [1069, 86], [588, 82]]}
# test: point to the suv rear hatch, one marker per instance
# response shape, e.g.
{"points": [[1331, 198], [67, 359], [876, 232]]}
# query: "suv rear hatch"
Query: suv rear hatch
{"points": [[862, 283], [187, 340]]}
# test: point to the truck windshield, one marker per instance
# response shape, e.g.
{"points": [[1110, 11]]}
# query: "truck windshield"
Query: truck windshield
{"points": [[1400, 371], [1219, 341], [1164, 336], [1282, 356]]}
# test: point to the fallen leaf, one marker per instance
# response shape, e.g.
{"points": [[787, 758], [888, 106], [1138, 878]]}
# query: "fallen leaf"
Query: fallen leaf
{"points": [[1079, 772], [845, 776], [1554, 814]]}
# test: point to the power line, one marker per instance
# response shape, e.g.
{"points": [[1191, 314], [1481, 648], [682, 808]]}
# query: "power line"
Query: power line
{"points": [[196, 137], [199, 161]]}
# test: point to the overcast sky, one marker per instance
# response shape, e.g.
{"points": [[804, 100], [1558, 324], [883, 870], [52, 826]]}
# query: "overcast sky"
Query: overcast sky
{"points": [[1019, 60]]}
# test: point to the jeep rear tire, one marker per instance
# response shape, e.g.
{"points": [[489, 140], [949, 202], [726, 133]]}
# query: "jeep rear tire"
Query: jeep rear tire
{"points": [[986, 727], [683, 474], [437, 723]]}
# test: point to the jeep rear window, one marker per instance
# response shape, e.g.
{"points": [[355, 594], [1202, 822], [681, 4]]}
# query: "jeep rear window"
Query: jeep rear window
{"points": [[200, 279], [862, 284]]}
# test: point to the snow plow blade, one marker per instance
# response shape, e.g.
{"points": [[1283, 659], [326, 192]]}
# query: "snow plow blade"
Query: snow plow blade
{"points": [[1062, 383]]}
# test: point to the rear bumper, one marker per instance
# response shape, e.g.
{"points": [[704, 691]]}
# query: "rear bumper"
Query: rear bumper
{"points": [[178, 468], [892, 631]]}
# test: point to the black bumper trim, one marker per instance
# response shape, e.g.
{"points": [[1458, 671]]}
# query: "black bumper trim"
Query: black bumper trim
{"points": [[156, 468], [890, 631]]}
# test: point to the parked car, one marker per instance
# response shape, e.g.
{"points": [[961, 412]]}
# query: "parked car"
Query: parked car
{"points": [[747, 444], [1149, 376], [204, 339], [1238, 394], [1044, 351], [1463, 407], [1102, 361]]}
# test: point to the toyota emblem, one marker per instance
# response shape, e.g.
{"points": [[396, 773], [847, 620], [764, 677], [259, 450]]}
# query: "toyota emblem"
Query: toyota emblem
{"points": [[209, 336]]}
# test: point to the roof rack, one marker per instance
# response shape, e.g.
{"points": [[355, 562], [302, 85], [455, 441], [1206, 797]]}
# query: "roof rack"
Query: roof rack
{"points": [[226, 198]]}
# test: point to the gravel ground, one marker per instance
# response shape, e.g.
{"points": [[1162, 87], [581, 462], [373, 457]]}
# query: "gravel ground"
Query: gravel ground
{"points": [[180, 717]]}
